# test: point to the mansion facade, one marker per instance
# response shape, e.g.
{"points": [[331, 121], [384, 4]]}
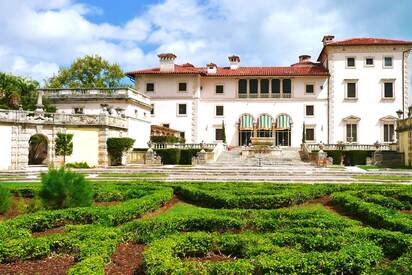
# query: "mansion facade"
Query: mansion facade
{"points": [[353, 93]]}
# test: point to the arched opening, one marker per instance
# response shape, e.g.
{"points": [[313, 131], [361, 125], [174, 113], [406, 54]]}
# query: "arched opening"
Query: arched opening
{"points": [[38, 150], [245, 129], [283, 131]]}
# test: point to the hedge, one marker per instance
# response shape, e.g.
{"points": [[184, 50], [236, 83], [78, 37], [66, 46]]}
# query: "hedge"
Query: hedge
{"points": [[177, 156], [354, 157], [167, 139]]}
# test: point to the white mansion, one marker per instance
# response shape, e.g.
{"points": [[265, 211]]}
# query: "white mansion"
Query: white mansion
{"points": [[351, 94]]}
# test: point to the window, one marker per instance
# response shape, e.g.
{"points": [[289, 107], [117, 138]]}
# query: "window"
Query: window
{"points": [[149, 87], [388, 132], [309, 134], [351, 90], [242, 86], [387, 62], [182, 134], [219, 111], [219, 134], [287, 86], [275, 86], [253, 86], [388, 90], [152, 111], [78, 110], [182, 109], [352, 132], [219, 89], [350, 62], [182, 87], [369, 61], [310, 89], [264, 86], [309, 110]]}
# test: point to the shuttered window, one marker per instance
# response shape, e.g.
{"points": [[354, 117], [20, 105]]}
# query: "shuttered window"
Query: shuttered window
{"points": [[287, 86], [264, 86], [275, 86], [242, 86]]}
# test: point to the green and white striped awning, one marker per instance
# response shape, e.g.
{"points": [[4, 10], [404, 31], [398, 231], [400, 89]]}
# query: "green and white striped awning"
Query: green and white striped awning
{"points": [[265, 122], [283, 122], [246, 122]]}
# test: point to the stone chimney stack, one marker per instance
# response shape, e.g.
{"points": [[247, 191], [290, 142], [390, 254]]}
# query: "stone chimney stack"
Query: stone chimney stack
{"points": [[304, 58], [211, 68], [167, 62], [327, 39], [234, 62]]}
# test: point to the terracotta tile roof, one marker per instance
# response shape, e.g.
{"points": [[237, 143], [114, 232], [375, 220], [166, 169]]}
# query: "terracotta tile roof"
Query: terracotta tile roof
{"points": [[313, 69], [368, 41]]}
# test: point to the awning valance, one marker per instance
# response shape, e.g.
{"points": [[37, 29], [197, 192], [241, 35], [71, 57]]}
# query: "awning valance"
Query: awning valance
{"points": [[283, 122], [265, 122], [246, 122]]}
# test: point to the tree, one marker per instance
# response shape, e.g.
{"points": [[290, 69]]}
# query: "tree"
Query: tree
{"points": [[64, 145], [63, 189], [303, 134], [116, 147], [224, 131], [91, 71], [16, 91]]}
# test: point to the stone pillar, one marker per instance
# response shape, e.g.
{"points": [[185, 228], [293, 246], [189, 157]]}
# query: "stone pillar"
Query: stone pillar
{"points": [[103, 154], [254, 130]]}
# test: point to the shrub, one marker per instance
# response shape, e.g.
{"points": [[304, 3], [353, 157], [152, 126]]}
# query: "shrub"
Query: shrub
{"points": [[167, 139], [116, 147], [82, 165], [169, 156], [354, 157], [5, 200], [64, 145], [63, 189]]}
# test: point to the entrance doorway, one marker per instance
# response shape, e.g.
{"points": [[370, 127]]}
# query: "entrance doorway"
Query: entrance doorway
{"points": [[38, 149], [244, 137], [283, 137]]}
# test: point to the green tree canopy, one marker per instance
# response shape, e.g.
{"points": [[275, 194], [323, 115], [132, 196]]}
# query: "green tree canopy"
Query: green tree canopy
{"points": [[91, 71], [16, 91], [64, 145]]}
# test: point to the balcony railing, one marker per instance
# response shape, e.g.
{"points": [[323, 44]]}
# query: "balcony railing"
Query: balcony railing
{"points": [[128, 93], [349, 147], [207, 146], [29, 117]]}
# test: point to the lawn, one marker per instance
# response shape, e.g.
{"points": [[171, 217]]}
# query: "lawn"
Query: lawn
{"points": [[215, 228], [133, 175], [385, 177]]}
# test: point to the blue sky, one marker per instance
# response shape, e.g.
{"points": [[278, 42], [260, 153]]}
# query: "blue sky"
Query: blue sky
{"points": [[46, 34]]}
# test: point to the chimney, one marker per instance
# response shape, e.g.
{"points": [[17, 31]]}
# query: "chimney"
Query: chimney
{"points": [[234, 62], [304, 58], [167, 62], [211, 68], [327, 39]]}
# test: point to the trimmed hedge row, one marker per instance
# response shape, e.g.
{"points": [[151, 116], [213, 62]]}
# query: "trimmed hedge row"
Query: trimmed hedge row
{"points": [[354, 157], [374, 214], [177, 156], [252, 253]]}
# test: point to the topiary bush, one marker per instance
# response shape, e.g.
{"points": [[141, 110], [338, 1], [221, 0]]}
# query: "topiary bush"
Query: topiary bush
{"points": [[81, 165], [5, 200], [116, 147], [63, 189]]}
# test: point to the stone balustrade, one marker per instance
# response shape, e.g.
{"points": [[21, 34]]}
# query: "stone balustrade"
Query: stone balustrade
{"points": [[205, 146], [40, 118], [349, 147], [101, 93]]}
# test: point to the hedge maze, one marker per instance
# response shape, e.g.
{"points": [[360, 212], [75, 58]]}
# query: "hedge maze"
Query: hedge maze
{"points": [[220, 228]]}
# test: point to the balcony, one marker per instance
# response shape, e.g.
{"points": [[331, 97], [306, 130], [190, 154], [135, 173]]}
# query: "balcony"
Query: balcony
{"points": [[29, 117], [101, 93]]}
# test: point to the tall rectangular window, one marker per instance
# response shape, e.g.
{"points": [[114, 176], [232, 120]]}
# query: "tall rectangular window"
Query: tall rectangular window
{"points": [[182, 110], [182, 87], [309, 110], [149, 87], [219, 110], [253, 86], [219, 89], [242, 89], [310, 88], [350, 62], [387, 62], [309, 134], [264, 86], [352, 132], [287, 86], [219, 134], [275, 86], [388, 132], [351, 90], [388, 90]]}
